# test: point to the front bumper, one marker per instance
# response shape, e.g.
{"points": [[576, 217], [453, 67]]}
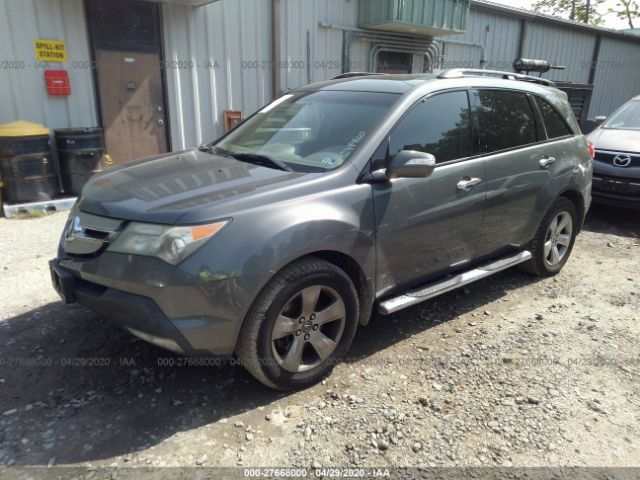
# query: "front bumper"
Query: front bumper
{"points": [[137, 314], [156, 301], [616, 186], [616, 200]]}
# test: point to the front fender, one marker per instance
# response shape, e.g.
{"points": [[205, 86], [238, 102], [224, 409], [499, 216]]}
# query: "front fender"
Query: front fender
{"points": [[261, 241]]}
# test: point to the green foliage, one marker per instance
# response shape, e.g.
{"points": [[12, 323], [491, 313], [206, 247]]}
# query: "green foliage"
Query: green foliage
{"points": [[628, 10], [598, 10], [572, 9]]}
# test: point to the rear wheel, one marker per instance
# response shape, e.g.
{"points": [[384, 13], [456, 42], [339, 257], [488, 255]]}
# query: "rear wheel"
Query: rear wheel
{"points": [[300, 325], [554, 240]]}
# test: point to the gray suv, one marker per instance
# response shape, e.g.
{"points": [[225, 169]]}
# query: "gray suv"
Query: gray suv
{"points": [[276, 241]]}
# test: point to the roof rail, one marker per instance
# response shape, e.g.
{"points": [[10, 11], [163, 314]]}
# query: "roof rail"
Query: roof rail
{"points": [[356, 74], [476, 72]]}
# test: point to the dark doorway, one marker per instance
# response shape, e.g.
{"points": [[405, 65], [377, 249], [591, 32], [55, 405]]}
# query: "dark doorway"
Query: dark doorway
{"points": [[126, 43], [393, 62]]}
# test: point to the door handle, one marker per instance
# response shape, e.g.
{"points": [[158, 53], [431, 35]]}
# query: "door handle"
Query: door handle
{"points": [[545, 162], [466, 183]]}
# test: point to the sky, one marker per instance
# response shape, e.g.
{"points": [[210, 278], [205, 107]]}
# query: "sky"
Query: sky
{"points": [[610, 20]]}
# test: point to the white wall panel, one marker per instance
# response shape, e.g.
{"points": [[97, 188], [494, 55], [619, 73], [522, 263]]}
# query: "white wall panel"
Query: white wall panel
{"points": [[617, 79], [218, 57], [325, 59], [22, 90], [499, 34], [561, 46]]}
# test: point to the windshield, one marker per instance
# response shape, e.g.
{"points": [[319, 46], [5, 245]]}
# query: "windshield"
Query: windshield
{"points": [[308, 131], [626, 118]]}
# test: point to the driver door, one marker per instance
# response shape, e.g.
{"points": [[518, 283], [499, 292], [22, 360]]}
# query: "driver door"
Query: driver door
{"points": [[429, 226]]}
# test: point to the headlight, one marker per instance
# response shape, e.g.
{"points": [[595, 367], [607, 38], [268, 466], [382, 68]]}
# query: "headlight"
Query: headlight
{"points": [[170, 243]]}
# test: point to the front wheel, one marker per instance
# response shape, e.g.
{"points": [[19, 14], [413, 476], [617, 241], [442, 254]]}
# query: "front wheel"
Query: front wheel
{"points": [[554, 240], [300, 325]]}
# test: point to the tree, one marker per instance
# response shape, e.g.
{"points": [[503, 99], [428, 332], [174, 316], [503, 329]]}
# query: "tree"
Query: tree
{"points": [[595, 10], [577, 10], [628, 10]]}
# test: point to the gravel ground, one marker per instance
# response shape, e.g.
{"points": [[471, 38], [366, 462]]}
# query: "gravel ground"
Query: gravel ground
{"points": [[510, 371]]}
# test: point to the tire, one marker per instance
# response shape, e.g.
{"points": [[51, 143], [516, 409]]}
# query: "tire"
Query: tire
{"points": [[286, 324], [552, 245]]}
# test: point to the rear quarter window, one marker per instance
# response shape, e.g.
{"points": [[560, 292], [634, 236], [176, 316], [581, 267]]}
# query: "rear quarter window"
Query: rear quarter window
{"points": [[554, 124], [506, 120]]}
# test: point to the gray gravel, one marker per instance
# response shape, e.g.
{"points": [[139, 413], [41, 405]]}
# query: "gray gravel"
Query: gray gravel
{"points": [[511, 371]]}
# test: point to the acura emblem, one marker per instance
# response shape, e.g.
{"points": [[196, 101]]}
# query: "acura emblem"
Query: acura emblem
{"points": [[622, 160]]}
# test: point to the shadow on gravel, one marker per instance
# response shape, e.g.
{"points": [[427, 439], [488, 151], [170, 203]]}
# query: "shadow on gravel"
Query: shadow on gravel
{"points": [[82, 389], [78, 388], [613, 221], [384, 331]]}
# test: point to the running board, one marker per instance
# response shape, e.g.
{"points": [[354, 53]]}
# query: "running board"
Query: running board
{"points": [[434, 289]]}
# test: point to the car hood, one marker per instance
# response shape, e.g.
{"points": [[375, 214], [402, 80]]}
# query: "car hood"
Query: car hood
{"points": [[615, 139], [184, 187]]}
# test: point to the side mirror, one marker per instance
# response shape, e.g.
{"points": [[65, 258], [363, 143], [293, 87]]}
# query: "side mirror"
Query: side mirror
{"points": [[411, 164], [599, 119]]}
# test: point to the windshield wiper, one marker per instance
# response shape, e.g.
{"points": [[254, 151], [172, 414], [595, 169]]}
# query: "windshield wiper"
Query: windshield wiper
{"points": [[262, 160]]}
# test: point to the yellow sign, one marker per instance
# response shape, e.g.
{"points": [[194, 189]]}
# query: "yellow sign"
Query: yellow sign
{"points": [[50, 50]]}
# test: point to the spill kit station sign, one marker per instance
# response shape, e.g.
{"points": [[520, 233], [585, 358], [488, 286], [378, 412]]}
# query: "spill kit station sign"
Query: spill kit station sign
{"points": [[50, 50]]}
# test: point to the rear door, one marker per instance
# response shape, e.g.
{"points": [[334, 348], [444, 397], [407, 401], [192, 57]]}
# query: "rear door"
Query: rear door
{"points": [[426, 226], [518, 162]]}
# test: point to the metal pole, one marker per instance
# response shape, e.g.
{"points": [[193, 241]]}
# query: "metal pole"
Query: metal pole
{"points": [[276, 46]]}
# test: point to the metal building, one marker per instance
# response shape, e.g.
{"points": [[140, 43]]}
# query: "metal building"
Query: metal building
{"points": [[160, 75]]}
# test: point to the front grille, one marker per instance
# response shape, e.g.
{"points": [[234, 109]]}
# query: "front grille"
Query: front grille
{"points": [[87, 235], [608, 156]]}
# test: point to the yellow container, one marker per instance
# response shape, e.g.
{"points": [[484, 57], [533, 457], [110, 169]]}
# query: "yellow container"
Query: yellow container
{"points": [[20, 128]]}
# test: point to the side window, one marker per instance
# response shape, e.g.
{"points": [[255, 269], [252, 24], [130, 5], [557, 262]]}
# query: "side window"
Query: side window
{"points": [[553, 122], [505, 119], [439, 125]]}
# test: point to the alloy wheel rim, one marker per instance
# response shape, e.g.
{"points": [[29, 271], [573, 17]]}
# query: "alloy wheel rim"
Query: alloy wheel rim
{"points": [[308, 328], [558, 239]]}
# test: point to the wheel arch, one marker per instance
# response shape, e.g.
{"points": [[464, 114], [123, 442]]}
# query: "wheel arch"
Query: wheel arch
{"points": [[364, 286], [577, 199]]}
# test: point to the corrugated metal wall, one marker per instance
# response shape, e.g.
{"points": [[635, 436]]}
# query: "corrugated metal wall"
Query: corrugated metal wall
{"points": [[501, 37], [617, 78], [217, 58], [325, 45], [499, 34], [561, 46], [24, 95]]}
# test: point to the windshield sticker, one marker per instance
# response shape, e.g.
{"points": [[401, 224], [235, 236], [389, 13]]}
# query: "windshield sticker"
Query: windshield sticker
{"points": [[352, 145], [329, 161]]}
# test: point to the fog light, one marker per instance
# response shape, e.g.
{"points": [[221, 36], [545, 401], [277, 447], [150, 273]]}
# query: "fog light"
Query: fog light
{"points": [[177, 247]]}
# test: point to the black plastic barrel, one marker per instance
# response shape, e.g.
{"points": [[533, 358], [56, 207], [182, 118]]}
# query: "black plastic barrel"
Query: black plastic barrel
{"points": [[27, 169], [80, 153]]}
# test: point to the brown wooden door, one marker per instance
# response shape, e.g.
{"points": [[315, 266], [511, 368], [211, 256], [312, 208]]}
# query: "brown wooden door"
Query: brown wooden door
{"points": [[131, 102]]}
